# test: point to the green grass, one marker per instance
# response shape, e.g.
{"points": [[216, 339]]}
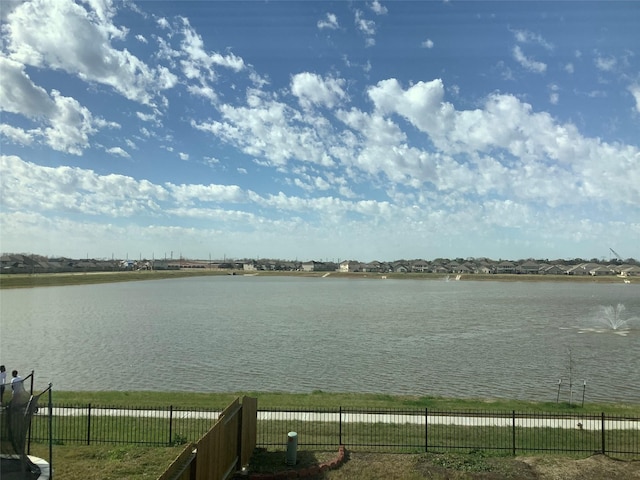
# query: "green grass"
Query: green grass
{"points": [[107, 462], [86, 278], [320, 399]]}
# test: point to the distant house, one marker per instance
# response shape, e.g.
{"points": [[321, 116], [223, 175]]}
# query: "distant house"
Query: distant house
{"points": [[400, 267], [630, 271], [420, 266], [528, 268], [582, 269], [313, 266], [599, 271], [374, 267], [350, 266], [452, 266], [552, 270], [505, 267]]}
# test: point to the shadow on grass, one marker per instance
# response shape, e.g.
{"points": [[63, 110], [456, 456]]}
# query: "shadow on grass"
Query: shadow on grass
{"points": [[272, 461]]}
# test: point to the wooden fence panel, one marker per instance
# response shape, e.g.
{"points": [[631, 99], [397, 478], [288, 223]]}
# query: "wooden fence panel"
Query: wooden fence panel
{"points": [[217, 449], [249, 429], [220, 450]]}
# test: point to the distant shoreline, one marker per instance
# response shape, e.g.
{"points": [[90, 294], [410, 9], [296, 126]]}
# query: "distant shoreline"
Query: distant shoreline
{"points": [[21, 280]]}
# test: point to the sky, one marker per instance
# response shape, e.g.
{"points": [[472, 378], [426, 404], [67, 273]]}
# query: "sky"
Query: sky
{"points": [[318, 130]]}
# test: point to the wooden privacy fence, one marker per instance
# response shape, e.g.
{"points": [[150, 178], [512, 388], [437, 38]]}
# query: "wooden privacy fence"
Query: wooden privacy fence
{"points": [[221, 451]]}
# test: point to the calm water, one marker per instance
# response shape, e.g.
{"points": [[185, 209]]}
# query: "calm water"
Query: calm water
{"points": [[459, 339]]}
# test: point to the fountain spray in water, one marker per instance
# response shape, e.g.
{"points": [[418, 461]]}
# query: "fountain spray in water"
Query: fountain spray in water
{"points": [[609, 319], [612, 317]]}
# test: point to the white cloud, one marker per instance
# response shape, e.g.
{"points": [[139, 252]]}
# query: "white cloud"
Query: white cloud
{"points": [[605, 64], [30, 187], [330, 21], [118, 151], [63, 123], [18, 94], [186, 195], [367, 27], [525, 36], [428, 43], [17, 135], [569, 68], [270, 129], [150, 117], [311, 89], [64, 35], [183, 156], [378, 8], [534, 145], [635, 91], [528, 63], [554, 95]]}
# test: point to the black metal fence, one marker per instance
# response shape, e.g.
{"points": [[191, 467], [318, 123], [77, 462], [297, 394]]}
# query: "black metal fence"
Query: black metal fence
{"points": [[399, 430]]}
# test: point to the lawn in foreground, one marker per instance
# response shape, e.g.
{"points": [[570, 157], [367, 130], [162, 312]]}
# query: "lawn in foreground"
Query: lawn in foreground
{"points": [[137, 463]]}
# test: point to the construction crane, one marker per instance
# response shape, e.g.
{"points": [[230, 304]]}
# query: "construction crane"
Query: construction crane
{"points": [[616, 254]]}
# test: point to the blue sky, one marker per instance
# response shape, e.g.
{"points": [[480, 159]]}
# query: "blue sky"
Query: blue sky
{"points": [[320, 130]]}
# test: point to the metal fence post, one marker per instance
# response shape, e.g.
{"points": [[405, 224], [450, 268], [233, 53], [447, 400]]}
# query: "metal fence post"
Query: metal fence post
{"points": [[50, 433], [426, 429], [89, 424], [603, 436], [513, 432], [340, 426], [170, 423]]}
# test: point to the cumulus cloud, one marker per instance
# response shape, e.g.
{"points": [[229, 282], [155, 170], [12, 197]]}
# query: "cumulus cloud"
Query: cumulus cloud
{"points": [[31, 187], [525, 36], [271, 129], [366, 27], [329, 21], [605, 64], [64, 35], [311, 89], [378, 8], [118, 152], [528, 63], [428, 43], [63, 123], [533, 143], [17, 135]]}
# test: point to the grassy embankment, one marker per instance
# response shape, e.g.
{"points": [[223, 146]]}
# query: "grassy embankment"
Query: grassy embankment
{"points": [[319, 399], [62, 279]]}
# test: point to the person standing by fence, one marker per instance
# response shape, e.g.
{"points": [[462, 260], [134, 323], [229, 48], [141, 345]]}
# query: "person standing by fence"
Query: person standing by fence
{"points": [[17, 387]]}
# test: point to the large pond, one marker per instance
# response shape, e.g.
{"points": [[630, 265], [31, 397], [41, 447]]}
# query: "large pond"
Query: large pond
{"points": [[424, 337]]}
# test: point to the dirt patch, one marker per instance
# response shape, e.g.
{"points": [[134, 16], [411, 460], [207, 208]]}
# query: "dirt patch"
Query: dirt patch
{"points": [[477, 466], [594, 467]]}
